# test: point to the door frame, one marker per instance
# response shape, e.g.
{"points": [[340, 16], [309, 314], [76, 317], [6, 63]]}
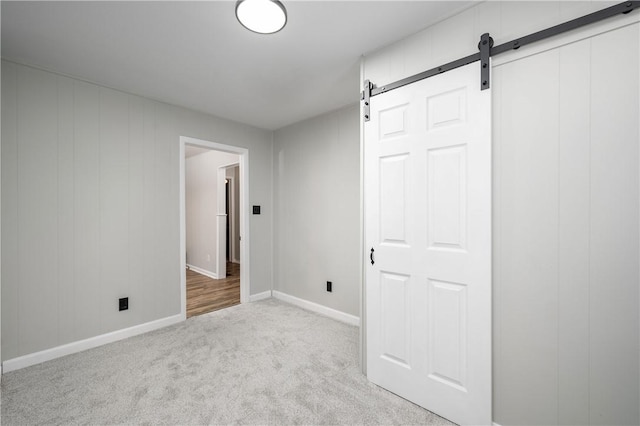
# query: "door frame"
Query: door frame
{"points": [[233, 227], [221, 228], [243, 153]]}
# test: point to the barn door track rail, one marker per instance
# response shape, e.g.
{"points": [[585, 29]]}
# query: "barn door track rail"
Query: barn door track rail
{"points": [[487, 49]]}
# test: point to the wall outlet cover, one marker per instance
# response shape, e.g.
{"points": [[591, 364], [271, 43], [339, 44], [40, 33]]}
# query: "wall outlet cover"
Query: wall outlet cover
{"points": [[123, 304]]}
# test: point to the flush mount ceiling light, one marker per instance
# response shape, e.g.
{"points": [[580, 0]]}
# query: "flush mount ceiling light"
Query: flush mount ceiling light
{"points": [[261, 16]]}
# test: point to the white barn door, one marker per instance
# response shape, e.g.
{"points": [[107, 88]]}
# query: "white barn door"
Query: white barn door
{"points": [[428, 232]]}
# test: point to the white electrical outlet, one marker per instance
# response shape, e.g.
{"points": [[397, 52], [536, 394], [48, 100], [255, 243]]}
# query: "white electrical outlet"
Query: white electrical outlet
{"points": [[208, 258]]}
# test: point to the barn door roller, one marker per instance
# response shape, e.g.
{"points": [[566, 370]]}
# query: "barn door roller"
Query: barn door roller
{"points": [[487, 50]]}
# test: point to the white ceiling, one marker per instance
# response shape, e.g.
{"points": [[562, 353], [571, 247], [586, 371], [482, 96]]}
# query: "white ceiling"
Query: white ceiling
{"points": [[196, 54]]}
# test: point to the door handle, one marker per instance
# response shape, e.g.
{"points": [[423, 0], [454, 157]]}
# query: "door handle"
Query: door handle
{"points": [[371, 256]]}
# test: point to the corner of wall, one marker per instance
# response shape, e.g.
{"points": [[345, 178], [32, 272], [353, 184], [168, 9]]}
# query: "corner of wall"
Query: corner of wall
{"points": [[362, 294], [0, 220], [273, 215]]}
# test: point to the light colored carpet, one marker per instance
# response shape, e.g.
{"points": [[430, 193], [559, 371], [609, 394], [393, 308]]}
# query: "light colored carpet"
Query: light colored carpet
{"points": [[259, 363]]}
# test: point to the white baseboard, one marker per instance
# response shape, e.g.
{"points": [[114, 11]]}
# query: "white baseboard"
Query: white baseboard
{"points": [[203, 272], [495, 424], [83, 345], [320, 309], [260, 296]]}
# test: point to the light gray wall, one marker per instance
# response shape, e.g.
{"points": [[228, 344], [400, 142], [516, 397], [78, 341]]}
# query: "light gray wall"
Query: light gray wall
{"points": [[317, 202], [566, 207], [201, 207], [1, 213], [90, 207]]}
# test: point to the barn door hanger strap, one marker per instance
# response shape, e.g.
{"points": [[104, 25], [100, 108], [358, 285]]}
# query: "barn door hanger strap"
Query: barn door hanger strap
{"points": [[487, 50], [485, 45], [366, 98]]}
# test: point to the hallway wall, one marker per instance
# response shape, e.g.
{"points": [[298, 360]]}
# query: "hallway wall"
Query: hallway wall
{"points": [[90, 207], [317, 203]]}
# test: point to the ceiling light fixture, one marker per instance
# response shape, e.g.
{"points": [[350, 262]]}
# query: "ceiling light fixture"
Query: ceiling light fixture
{"points": [[261, 16]]}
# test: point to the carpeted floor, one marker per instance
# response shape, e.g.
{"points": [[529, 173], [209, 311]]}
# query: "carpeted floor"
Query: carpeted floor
{"points": [[259, 363]]}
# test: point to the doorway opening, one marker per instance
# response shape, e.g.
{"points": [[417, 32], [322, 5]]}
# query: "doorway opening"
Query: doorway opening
{"points": [[227, 194], [214, 231], [232, 209]]}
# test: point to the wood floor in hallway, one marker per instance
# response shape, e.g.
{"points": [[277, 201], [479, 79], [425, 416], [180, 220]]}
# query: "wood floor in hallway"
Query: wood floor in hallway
{"points": [[205, 294]]}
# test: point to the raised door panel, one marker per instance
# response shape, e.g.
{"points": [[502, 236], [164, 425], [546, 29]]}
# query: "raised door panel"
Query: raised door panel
{"points": [[448, 316], [393, 122], [447, 109], [393, 199], [447, 198], [395, 318]]}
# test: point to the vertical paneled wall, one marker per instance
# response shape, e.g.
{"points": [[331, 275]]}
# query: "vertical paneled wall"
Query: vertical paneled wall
{"points": [[90, 207], [317, 201], [566, 207], [567, 242]]}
